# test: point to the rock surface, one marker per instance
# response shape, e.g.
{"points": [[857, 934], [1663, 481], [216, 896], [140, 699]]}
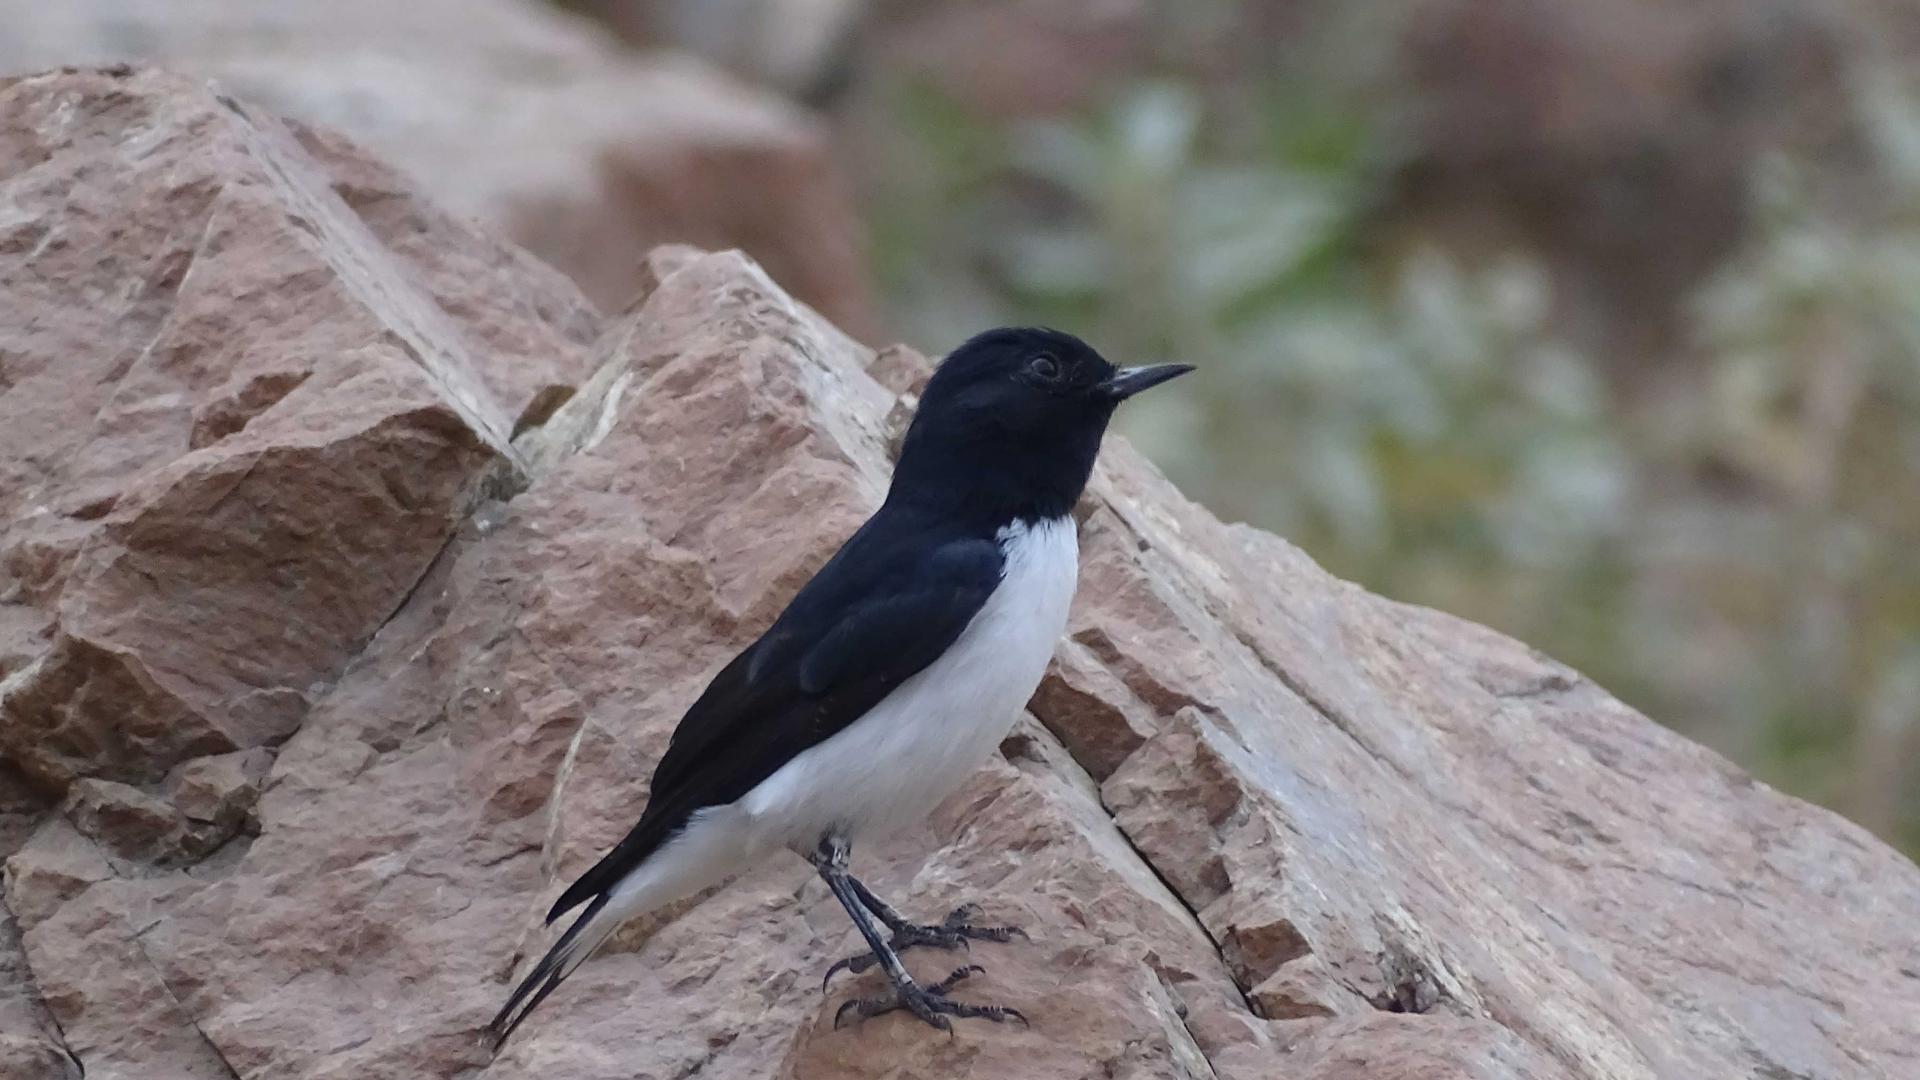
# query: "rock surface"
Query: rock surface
{"points": [[512, 112], [273, 565]]}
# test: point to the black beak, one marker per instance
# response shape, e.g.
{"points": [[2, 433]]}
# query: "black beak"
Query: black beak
{"points": [[1129, 381]]}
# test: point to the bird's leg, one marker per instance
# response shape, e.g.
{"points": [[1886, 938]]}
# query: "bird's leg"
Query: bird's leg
{"points": [[929, 1003], [953, 932]]}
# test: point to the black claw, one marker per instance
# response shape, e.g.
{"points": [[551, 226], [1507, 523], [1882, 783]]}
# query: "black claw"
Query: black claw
{"points": [[844, 965], [956, 931], [959, 923], [959, 974], [930, 1004], [962, 915], [966, 932]]}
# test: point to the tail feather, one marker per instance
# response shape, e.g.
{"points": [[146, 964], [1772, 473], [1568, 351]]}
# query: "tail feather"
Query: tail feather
{"points": [[639, 875], [582, 937]]}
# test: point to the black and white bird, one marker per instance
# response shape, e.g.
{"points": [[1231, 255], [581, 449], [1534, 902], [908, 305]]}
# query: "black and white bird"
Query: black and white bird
{"points": [[892, 675]]}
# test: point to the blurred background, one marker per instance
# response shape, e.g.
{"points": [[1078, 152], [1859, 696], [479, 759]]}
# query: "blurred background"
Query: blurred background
{"points": [[1597, 321]]}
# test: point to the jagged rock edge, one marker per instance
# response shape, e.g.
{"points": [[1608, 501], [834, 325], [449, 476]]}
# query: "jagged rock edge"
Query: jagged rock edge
{"points": [[1562, 680], [1119, 511], [313, 207], [1099, 799], [509, 476]]}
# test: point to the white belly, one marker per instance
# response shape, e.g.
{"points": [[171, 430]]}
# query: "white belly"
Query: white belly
{"points": [[888, 768]]}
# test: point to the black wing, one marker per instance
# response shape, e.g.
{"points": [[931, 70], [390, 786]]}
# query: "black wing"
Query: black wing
{"points": [[890, 602]]}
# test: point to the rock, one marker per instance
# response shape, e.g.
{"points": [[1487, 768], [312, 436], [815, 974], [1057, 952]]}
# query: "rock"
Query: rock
{"points": [[219, 791], [240, 426], [30, 1046], [1386, 1046], [118, 1016], [513, 113], [1445, 822], [34, 1058], [55, 865], [202, 804], [21, 807], [127, 821], [1262, 825]]}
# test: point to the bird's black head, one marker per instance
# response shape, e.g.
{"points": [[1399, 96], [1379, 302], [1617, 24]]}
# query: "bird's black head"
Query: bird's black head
{"points": [[1010, 423]]}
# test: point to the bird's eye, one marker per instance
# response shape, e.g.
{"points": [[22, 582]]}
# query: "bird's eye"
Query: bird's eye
{"points": [[1045, 367]]}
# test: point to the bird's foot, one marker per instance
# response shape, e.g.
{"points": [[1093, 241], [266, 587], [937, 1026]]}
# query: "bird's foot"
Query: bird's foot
{"points": [[956, 931], [929, 1003]]}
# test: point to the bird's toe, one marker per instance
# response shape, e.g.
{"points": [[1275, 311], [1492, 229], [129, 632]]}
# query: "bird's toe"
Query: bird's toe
{"points": [[959, 925], [930, 1004], [962, 915]]}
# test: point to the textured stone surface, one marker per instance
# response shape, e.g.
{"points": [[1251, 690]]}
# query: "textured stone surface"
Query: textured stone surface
{"points": [[1262, 824], [239, 426], [127, 821], [30, 1045], [514, 113]]}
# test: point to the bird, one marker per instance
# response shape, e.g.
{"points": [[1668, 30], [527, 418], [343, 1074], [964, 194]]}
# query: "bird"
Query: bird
{"points": [[891, 675]]}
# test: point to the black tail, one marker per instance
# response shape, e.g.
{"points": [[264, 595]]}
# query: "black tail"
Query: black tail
{"points": [[566, 955], [641, 841], [594, 888]]}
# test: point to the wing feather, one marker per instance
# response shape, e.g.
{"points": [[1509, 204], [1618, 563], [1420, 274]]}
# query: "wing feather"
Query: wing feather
{"points": [[887, 605]]}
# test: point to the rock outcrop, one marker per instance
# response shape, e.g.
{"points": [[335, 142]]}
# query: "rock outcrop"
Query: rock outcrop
{"points": [[356, 573], [512, 112]]}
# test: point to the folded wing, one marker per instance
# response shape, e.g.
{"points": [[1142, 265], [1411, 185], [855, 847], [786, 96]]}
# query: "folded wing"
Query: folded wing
{"points": [[887, 605]]}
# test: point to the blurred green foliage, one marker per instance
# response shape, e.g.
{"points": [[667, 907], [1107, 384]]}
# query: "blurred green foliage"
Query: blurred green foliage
{"points": [[1735, 555]]}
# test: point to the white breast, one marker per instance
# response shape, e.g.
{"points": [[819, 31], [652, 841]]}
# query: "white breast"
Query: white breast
{"points": [[891, 766]]}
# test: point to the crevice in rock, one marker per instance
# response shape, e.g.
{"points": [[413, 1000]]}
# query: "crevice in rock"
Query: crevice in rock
{"points": [[23, 804], [1092, 789], [179, 1005], [541, 408], [222, 860], [194, 1022], [699, 1065], [159, 293], [406, 598], [48, 1023], [1541, 686], [1185, 902], [1179, 1010], [1219, 951]]}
